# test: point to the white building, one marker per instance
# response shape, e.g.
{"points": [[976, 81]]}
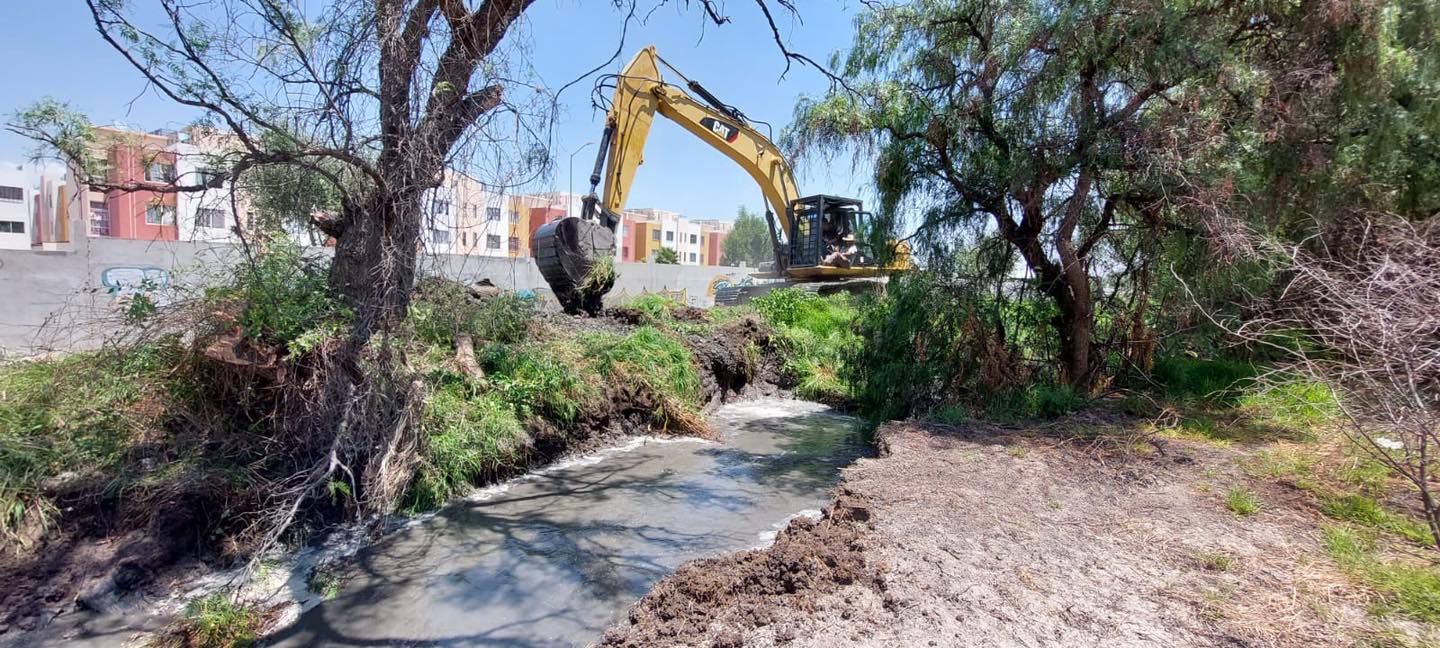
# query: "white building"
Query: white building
{"points": [[208, 215], [17, 206]]}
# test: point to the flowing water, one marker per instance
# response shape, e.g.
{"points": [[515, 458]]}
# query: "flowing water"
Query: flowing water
{"points": [[555, 558]]}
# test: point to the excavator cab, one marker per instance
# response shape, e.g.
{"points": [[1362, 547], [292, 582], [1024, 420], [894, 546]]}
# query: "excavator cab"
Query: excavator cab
{"points": [[820, 226]]}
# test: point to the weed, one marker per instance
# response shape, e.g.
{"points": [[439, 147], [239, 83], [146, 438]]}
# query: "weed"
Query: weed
{"points": [[280, 294], [814, 334], [950, 414], [646, 353], [1215, 561], [655, 305], [1037, 401], [1017, 451], [79, 414], [1284, 462], [1242, 501], [445, 309], [216, 621], [326, 582], [1293, 405], [1187, 379]]}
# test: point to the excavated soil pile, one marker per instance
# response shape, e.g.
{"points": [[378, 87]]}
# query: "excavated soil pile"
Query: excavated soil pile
{"points": [[977, 537], [810, 558]]}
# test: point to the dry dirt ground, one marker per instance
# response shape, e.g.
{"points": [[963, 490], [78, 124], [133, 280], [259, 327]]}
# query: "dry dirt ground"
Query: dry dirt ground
{"points": [[980, 537]]}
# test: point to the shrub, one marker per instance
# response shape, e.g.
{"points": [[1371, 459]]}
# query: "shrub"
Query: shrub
{"points": [[445, 309], [280, 294]]}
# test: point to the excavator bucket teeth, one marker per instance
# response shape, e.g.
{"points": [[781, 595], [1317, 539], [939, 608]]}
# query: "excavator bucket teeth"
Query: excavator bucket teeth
{"points": [[566, 250]]}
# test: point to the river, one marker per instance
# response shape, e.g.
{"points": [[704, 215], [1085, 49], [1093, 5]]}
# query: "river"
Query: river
{"points": [[554, 558]]}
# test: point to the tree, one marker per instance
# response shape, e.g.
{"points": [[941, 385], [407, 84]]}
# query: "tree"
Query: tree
{"points": [[666, 256], [749, 241], [1025, 117], [366, 104]]}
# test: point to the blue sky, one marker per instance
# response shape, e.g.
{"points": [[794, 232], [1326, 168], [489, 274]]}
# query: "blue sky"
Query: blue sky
{"points": [[55, 51]]}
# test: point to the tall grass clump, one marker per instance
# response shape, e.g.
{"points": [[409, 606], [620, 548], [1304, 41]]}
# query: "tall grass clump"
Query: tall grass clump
{"points": [[816, 338], [468, 436], [655, 363]]}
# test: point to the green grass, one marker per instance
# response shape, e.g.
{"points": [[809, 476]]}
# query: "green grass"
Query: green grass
{"points": [[1283, 463], [1242, 501], [816, 338], [1034, 402], [326, 582], [646, 354], [1367, 512], [1409, 590], [950, 414], [1215, 561], [81, 413], [654, 305], [1187, 379], [444, 309], [215, 621], [468, 436], [1294, 405]]}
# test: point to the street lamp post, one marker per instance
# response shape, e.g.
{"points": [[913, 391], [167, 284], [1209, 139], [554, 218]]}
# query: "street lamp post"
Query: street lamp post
{"points": [[570, 194]]}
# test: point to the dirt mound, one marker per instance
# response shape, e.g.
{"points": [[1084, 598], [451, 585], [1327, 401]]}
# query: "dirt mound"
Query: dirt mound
{"points": [[733, 357], [721, 596]]}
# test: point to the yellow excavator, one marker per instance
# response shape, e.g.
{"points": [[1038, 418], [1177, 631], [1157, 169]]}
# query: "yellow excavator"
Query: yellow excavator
{"points": [[820, 242]]}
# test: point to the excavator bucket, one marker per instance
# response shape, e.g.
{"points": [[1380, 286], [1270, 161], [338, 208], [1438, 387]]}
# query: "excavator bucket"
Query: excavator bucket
{"points": [[568, 251]]}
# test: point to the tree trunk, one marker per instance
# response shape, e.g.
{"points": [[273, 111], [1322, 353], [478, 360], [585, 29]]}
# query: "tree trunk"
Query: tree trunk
{"points": [[375, 255]]}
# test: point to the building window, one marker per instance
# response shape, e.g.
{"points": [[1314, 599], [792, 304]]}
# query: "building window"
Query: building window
{"points": [[514, 216], [210, 178], [99, 219], [492, 213], [12, 194], [492, 241], [12, 227], [655, 234], [158, 172], [692, 257], [670, 237], [440, 237], [442, 207], [206, 217], [694, 239], [514, 244], [159, 215]]}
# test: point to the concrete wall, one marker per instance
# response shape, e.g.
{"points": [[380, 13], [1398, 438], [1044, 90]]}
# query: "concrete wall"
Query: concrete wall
{"points": [[56, 301]]}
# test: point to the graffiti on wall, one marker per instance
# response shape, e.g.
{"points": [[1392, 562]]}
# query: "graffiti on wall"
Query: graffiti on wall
{"points": [[137, 289], [724, 281]]}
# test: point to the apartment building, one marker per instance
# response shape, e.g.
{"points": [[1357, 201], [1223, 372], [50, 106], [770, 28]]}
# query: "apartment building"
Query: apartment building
{"points": [[17, 204]]}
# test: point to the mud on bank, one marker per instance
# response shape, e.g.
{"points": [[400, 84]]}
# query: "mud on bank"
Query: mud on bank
{"points": [[977, 536], [98, 547]]}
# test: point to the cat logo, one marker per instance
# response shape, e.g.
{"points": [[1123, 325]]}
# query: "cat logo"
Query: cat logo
{"points": [[721, 129]]}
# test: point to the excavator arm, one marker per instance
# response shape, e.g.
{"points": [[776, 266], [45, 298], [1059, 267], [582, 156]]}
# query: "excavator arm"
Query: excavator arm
{"points": [[641, 92]]}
